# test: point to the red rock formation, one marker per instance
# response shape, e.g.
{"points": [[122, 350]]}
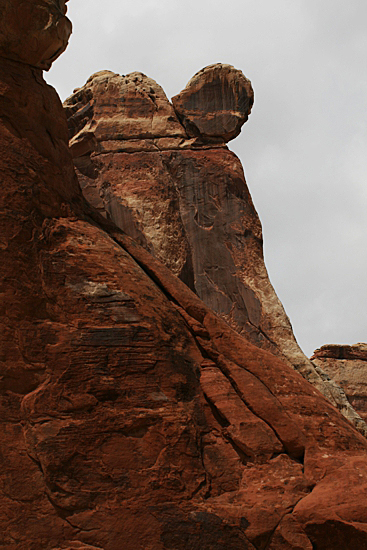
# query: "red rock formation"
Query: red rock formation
{"points": [[185, 199], [34, 32], [132, 416], [215, 103], [347, 367]]}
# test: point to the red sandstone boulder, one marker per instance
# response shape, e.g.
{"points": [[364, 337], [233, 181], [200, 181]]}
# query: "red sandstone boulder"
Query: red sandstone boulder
{"points": [[347, 367], [133, 417], [215, 103]]}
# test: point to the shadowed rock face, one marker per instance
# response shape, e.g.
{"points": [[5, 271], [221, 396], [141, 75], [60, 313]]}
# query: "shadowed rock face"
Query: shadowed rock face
{"points": [[185, 198], [35, 32], [132, 416], [215, 103], [347, 366]]}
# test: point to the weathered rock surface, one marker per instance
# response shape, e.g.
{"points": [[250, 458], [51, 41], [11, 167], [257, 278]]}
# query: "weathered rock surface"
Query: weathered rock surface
{"points": [[35, 32], [132, 416], [186, 199], [347, 366], [215, 103]]}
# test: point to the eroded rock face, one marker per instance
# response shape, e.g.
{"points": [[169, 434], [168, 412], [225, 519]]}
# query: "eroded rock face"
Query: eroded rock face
{"points": [[132, 416], [347, 366], [185, 199], [215, 103], [35, 32]]}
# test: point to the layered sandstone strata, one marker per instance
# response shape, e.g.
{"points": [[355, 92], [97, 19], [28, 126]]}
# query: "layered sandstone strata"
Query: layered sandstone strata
{"points": [[347, 366], [163, 173], [132, 416]]}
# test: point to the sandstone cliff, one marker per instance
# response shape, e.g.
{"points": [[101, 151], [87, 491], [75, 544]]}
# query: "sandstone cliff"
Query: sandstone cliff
{"points": [[163, 173], [132, 415]]}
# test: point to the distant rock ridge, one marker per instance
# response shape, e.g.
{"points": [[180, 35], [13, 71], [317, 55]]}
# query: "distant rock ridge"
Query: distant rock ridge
{"points": [[341, 351], [347, 366], [163, 173]]}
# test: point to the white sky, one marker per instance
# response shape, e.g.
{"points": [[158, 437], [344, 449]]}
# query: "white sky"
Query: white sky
{"points": [[304, 148]]}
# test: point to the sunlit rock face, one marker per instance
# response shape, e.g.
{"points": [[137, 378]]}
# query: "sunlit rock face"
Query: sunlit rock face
{"points": [[132, 416], [163, 173], [35, 32], [347, 366]]}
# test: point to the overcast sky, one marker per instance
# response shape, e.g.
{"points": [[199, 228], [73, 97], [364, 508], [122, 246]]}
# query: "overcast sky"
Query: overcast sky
{"points": [[304, 148]]}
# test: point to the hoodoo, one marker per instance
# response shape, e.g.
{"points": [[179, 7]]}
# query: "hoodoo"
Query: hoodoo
{"points": [[163, 173], [133, 416]]}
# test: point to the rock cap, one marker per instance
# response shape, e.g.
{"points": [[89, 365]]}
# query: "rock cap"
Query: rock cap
{"points": [[215, 103], [121, 107]]}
